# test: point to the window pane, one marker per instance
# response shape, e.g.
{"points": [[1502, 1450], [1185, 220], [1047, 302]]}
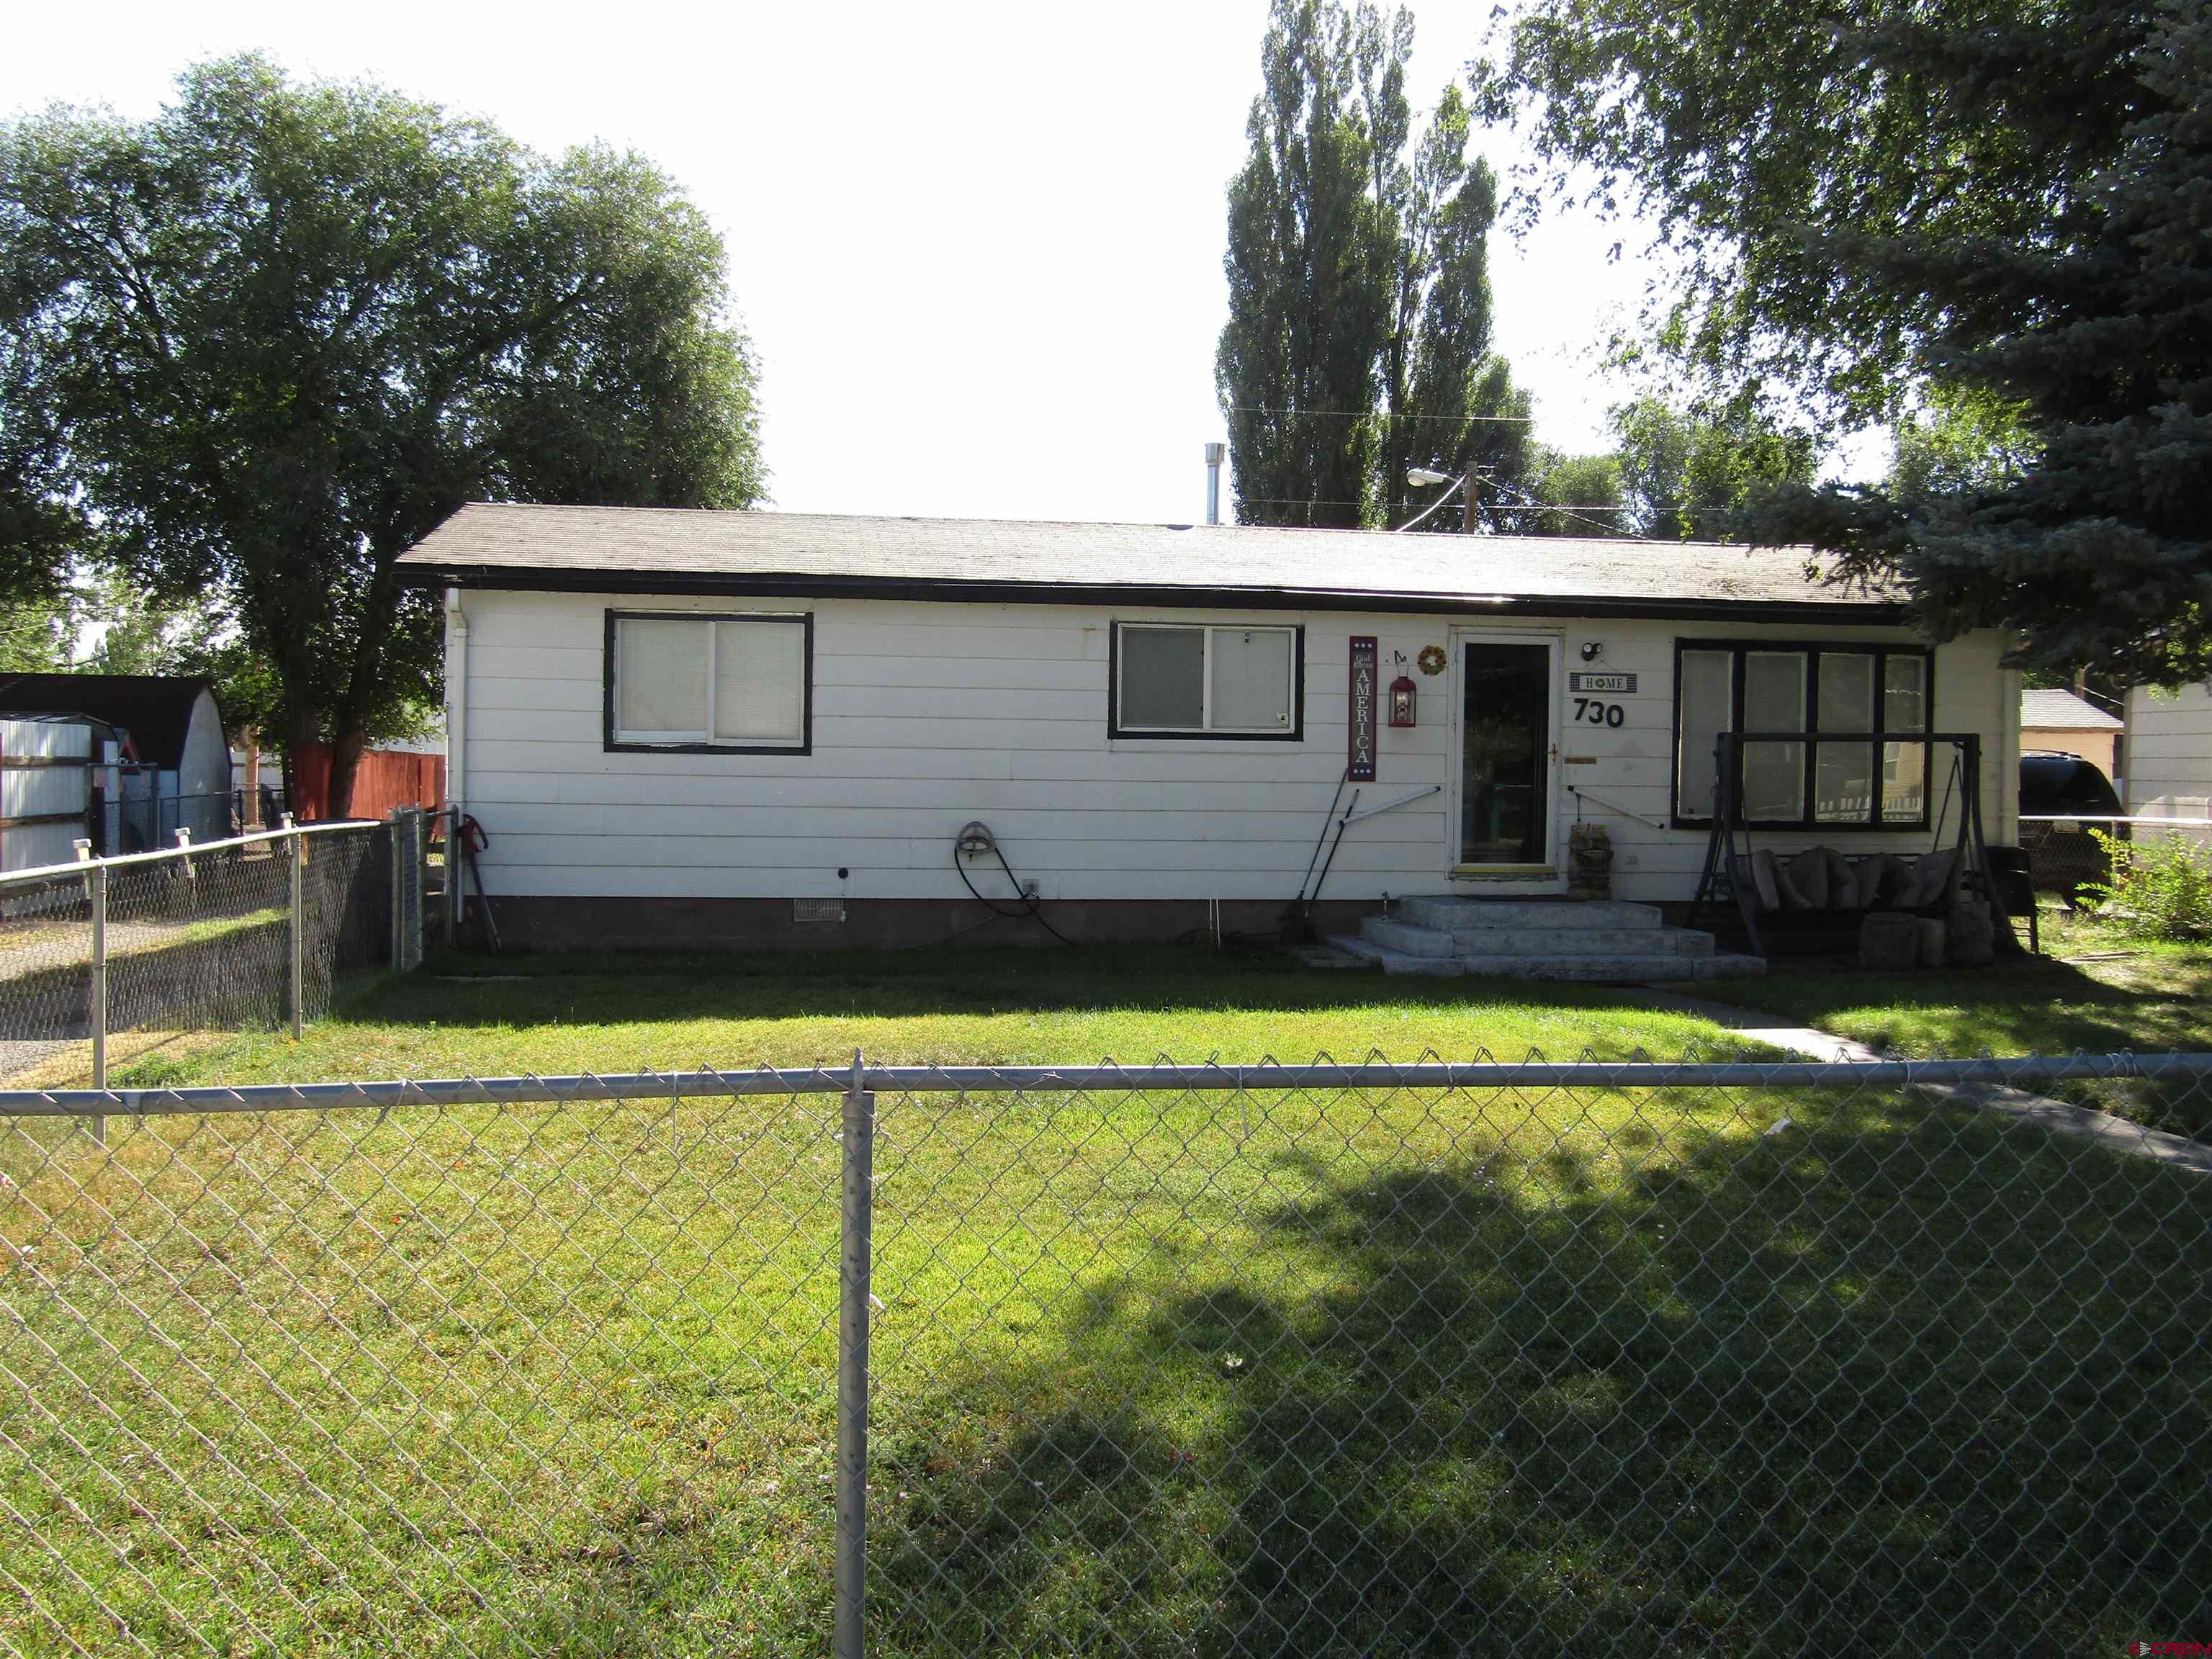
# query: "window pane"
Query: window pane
{"points": [[759, 682], [1903, 783], [1251, 672], [1904, 695], [1846, 693], [1702, 716], [1163, 678], [1774, 701], [660, 670], [1843, 778]]}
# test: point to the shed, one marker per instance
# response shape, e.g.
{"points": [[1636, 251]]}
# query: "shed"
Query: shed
{"points": [[749, 728], [2064, 723], [159, 760]]}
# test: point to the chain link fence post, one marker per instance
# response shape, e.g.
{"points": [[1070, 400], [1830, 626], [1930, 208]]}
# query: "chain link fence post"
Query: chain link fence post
{"points": [[295, 849], [95, 1012], [856, 1259]]}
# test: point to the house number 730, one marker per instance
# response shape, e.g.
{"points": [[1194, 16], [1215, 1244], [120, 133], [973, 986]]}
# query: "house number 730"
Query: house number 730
{"points": [[1594, 713]]}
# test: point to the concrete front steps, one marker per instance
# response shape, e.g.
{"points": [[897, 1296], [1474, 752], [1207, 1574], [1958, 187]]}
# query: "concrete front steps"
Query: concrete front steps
{"points": [[1607, 941]]}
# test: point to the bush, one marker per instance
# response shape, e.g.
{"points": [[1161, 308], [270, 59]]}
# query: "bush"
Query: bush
{"points": [[2159, 889]]}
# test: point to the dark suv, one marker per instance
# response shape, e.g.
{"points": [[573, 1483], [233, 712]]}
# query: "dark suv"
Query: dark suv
{"points": [[2064, 857]]}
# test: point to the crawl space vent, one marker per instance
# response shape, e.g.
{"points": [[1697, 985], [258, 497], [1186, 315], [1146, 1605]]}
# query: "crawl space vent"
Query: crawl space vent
{"points": [[818, 910]]}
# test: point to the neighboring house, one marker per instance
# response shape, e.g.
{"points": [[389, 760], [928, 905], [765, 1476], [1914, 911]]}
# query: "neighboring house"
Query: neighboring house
{"points": [[710, 728], [158, 761], [2068, 724], [2169, 759]]}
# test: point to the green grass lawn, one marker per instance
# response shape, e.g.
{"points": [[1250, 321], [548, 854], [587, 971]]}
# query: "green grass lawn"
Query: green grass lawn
{"points": [[477, 1015], [2094, 992], [1372, 1373]]}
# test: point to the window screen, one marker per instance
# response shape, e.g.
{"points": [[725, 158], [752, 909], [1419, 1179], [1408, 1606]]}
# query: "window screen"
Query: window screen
{"points": [[738, 682], [1854, 773], [1236, 682], [760, 679], [1708, 695], [1904, 765], [1163, 679], [1774, 701], [661, 668], [1251, 673], [1843, 772]]}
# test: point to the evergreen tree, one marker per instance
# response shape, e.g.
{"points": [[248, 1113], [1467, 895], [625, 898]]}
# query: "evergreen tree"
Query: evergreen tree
{"points": [[1880, 200]]}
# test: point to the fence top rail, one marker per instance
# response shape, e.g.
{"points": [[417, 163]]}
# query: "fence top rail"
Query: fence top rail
{"points": [[78, 866], [1105, 1077]]}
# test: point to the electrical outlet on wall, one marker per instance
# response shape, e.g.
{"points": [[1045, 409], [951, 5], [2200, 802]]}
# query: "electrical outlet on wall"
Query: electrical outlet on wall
{"points": [[1627, 860]]}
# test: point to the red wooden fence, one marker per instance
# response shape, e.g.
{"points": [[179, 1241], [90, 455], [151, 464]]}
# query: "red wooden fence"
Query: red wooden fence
{"points": [[384, 778]]}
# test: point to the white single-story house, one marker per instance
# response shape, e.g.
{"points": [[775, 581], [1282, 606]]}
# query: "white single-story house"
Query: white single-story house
{"points": [[2062, 723], [743, 728], [2168, 767]]}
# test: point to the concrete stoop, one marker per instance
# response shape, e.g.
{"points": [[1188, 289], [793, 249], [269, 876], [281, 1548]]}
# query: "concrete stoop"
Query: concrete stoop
{"points": [[1607, 942]]}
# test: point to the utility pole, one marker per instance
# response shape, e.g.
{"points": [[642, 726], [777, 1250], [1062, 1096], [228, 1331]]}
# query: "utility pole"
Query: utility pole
{"points": [[1473, 475]]}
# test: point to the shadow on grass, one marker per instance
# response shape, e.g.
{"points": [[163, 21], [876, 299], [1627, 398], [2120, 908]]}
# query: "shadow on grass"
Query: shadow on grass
{"points": [[1859, 1388], [2163, 1004], [479, 991]]}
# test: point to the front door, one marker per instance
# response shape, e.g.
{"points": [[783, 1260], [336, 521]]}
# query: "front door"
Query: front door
{"points": [[1506, 754]]}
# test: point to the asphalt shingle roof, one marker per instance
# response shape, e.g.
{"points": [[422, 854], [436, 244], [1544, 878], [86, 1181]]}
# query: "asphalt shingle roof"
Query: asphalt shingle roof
{"points": [[2062, 711], [570, 546]]}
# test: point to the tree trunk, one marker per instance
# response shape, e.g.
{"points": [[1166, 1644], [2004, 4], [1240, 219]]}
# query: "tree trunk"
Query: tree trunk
{"points": [[346, 746], [301, 722]]}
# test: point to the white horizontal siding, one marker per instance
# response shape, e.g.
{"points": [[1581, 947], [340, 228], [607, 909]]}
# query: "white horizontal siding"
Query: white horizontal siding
{"points": [[928, 715], [2167, 765]]}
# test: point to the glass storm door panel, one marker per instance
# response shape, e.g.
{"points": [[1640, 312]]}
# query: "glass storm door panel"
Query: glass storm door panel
{"points": [[1506, 757]]}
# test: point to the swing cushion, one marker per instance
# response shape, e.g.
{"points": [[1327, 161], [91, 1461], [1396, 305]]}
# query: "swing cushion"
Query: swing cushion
{"points": [[1938, 874], [1842, 881], [1762, 878], [1866, 881], [1808, 879]]}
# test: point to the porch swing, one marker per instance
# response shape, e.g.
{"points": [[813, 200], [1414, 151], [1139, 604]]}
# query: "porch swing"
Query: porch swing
{"points": [[1824, 883]]}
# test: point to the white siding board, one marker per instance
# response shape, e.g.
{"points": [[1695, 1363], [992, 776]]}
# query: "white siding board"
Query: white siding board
{"points": [[927, 715]]}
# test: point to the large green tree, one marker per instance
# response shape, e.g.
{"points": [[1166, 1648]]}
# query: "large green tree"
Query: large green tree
{"points": [[1877, 201], [1358, 338], [263, 342], [1686, 473]]}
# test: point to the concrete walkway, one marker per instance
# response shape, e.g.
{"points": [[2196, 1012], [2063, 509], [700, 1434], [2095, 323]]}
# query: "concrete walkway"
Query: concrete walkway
{"points": [[2086, 1123]]}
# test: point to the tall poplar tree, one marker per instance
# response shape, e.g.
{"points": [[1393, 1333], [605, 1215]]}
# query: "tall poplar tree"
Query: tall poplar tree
{"points": [[1359, 336]]}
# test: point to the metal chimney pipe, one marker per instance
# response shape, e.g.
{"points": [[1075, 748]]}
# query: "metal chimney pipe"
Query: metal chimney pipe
{"points": [[1215, 454]]}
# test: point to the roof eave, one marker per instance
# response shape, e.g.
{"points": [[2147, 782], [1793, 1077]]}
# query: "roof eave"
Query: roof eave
{"points": [[950, 590]]}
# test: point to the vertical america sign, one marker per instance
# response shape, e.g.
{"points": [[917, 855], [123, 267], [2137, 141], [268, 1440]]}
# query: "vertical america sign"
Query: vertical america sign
{"points": [[1359, 723]]}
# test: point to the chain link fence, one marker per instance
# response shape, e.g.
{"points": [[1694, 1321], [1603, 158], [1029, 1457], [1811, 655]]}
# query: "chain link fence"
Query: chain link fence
{"points": [[1715, 1358], [107, 960]]}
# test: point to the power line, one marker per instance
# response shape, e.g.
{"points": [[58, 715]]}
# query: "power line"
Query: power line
{"points": [[1384, 414]]}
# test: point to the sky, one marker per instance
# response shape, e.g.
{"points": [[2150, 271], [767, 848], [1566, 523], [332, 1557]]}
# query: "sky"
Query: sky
{"points": [[977, 247]]}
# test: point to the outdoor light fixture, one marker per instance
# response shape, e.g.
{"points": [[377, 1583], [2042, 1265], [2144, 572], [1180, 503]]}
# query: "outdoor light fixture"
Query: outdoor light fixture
{"points": [[1401, 701], [1593, 649], [1418, 476]]}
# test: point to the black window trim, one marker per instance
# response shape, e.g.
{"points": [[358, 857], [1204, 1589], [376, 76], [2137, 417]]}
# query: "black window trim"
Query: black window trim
{"points": [[1882, 651], [1113, 727], [607, 740]]}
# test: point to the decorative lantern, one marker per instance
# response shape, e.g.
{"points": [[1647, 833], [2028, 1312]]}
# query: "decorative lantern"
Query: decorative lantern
{"points": [[1401, 701]]}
